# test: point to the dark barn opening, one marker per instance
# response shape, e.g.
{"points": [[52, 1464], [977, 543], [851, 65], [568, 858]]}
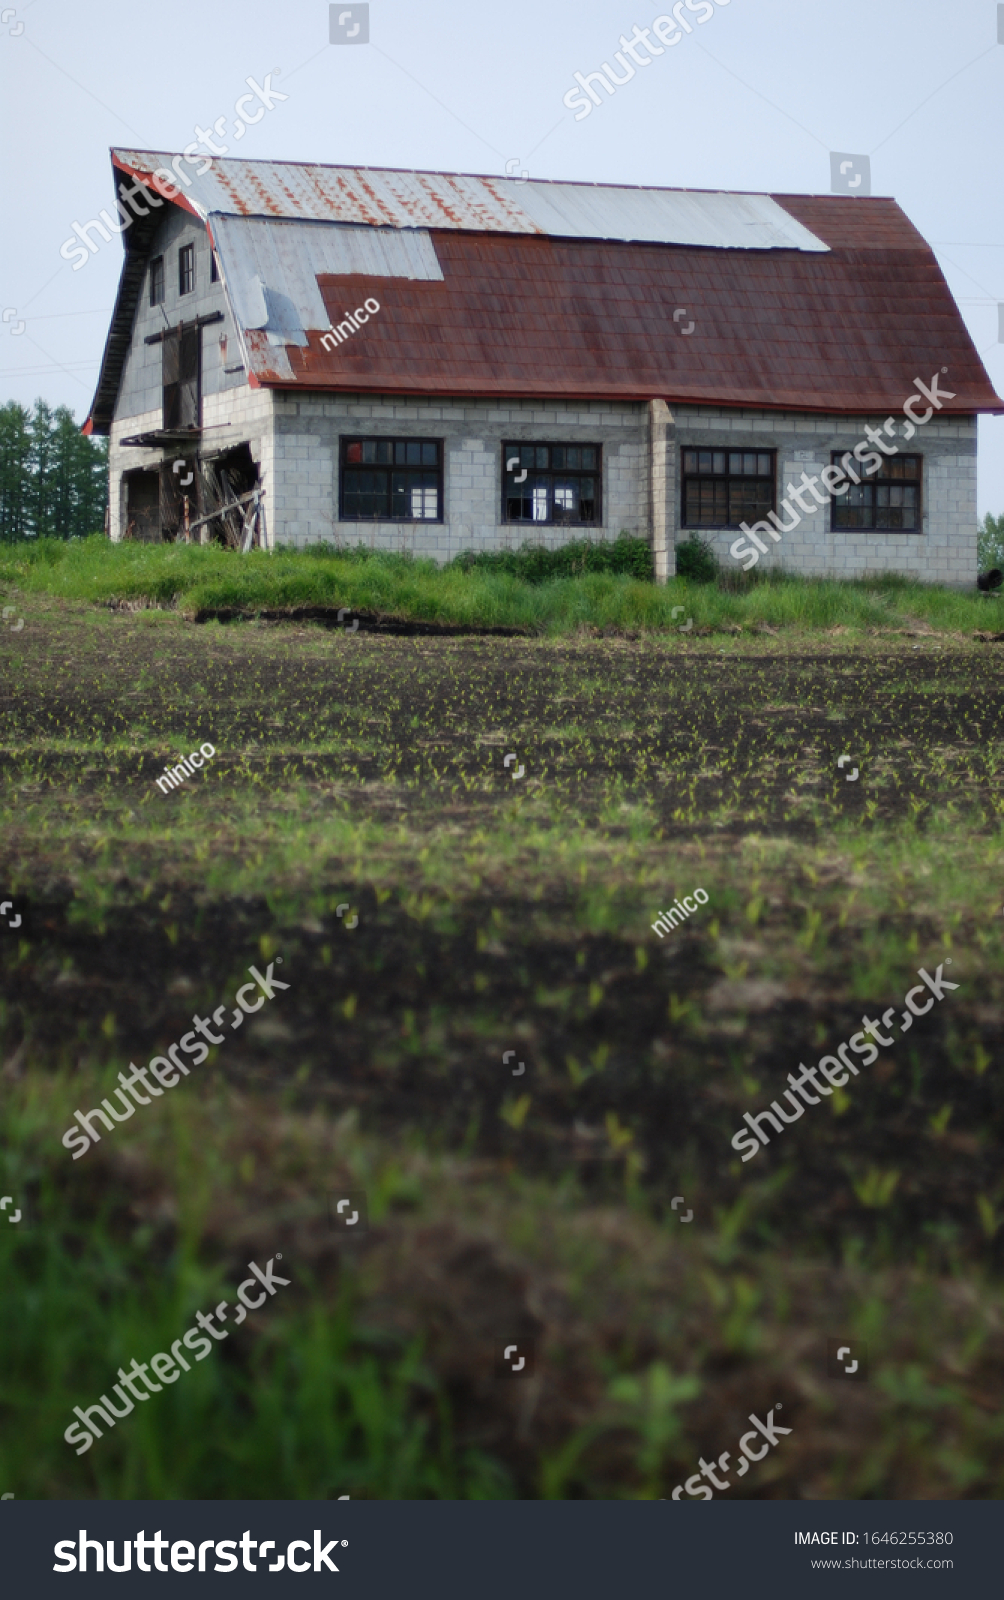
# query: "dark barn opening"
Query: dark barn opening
{"points": [[179, 481], [228, 480], [142, 489], [182, 375]]}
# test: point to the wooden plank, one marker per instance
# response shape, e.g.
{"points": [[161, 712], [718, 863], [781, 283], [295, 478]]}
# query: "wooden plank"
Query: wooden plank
{"points": [[231, 505]]}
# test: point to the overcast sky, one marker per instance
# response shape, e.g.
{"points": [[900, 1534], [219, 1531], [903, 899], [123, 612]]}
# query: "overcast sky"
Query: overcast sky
{"points": [[754, 99]]}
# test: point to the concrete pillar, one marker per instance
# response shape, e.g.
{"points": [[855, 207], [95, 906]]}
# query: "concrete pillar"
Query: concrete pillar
{"points": [[662, 485]]}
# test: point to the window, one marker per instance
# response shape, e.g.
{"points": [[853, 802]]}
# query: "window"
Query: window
{"points": [[888, 502], [182, 373], [392, 480], [551, 483], [186, 269], [157, 281], [214, 268], [725, 488]]}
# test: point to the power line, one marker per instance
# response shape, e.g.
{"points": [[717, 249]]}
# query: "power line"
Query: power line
{"points": [[486, 142], [81, 87], [932, 94]]}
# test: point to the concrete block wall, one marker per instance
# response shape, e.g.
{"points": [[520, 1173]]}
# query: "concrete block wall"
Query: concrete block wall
{"points": [[235, 417], [308, 428], [943, 551], [250, 414], [295, 440]]}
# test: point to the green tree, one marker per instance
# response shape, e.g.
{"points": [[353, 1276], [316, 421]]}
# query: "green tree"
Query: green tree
{"points": [[990, 543], [15, 471], [38, 489], [77, 480], [53, 479]]}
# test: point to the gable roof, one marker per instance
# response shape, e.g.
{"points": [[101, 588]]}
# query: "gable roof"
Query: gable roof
{"points": [[494, 287]]}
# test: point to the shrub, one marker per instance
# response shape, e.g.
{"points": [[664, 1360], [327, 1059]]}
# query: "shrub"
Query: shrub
{"points": [[696, 560], [624, 556]]}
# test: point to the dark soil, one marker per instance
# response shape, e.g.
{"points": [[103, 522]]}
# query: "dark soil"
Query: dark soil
{"points": [[640, 1056], [745, 740], [423, 1051], [734, 744]]}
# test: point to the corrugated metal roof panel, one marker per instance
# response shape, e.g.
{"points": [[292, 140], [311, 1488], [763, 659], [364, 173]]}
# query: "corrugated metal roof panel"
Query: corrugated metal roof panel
{"points": [[269, 363], [283, 259], [382, 198], [373, 197], [664, 216]]}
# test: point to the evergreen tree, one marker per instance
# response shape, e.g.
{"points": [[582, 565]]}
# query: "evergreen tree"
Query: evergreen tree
{"points": [[38, 490], [53, 480], [15, 470]]}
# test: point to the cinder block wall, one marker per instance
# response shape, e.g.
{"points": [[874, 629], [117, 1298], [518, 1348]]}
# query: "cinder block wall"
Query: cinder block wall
{"points": [[295, 440], [944, 551], [307, 433], [230, 418]]}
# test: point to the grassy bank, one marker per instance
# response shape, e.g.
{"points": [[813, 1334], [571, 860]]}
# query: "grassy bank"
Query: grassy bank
{"points": [[204, 582]]}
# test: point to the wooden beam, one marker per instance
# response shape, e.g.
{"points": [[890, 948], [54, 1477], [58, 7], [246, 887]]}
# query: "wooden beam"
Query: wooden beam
{"points": [[232, 505], [199, 322]]}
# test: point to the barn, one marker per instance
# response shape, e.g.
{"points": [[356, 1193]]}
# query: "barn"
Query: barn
{"points": [[437, 362]]}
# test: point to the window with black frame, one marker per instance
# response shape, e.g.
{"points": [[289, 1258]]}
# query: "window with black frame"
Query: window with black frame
{"points": [[186, 269], [725, 488], [391, 480], [888, 502], [157, 281], [551, 483]]}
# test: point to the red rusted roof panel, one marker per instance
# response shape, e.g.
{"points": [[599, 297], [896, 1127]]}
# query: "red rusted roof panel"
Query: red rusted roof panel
{"points": [[846, 223], [848, 330]]}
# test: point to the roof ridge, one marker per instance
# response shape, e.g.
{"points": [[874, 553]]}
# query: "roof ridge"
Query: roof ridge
{"points": [[493, 177]]}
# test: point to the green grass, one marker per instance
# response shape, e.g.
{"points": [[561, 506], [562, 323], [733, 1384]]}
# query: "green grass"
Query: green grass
{"points": [[534, 563], [479, 592], [304, 1405]]}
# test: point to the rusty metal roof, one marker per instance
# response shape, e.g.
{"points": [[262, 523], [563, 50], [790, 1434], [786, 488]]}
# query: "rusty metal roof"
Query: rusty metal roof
{"points": [[847, 332], [379, 197], [493, 288]]}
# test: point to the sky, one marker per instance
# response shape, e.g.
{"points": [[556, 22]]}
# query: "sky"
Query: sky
{"points": [[755, 98]]}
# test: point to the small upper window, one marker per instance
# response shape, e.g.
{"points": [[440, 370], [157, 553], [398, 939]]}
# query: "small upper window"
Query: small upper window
{"points": [[214, 268], [186, 269], [157, 281]]}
